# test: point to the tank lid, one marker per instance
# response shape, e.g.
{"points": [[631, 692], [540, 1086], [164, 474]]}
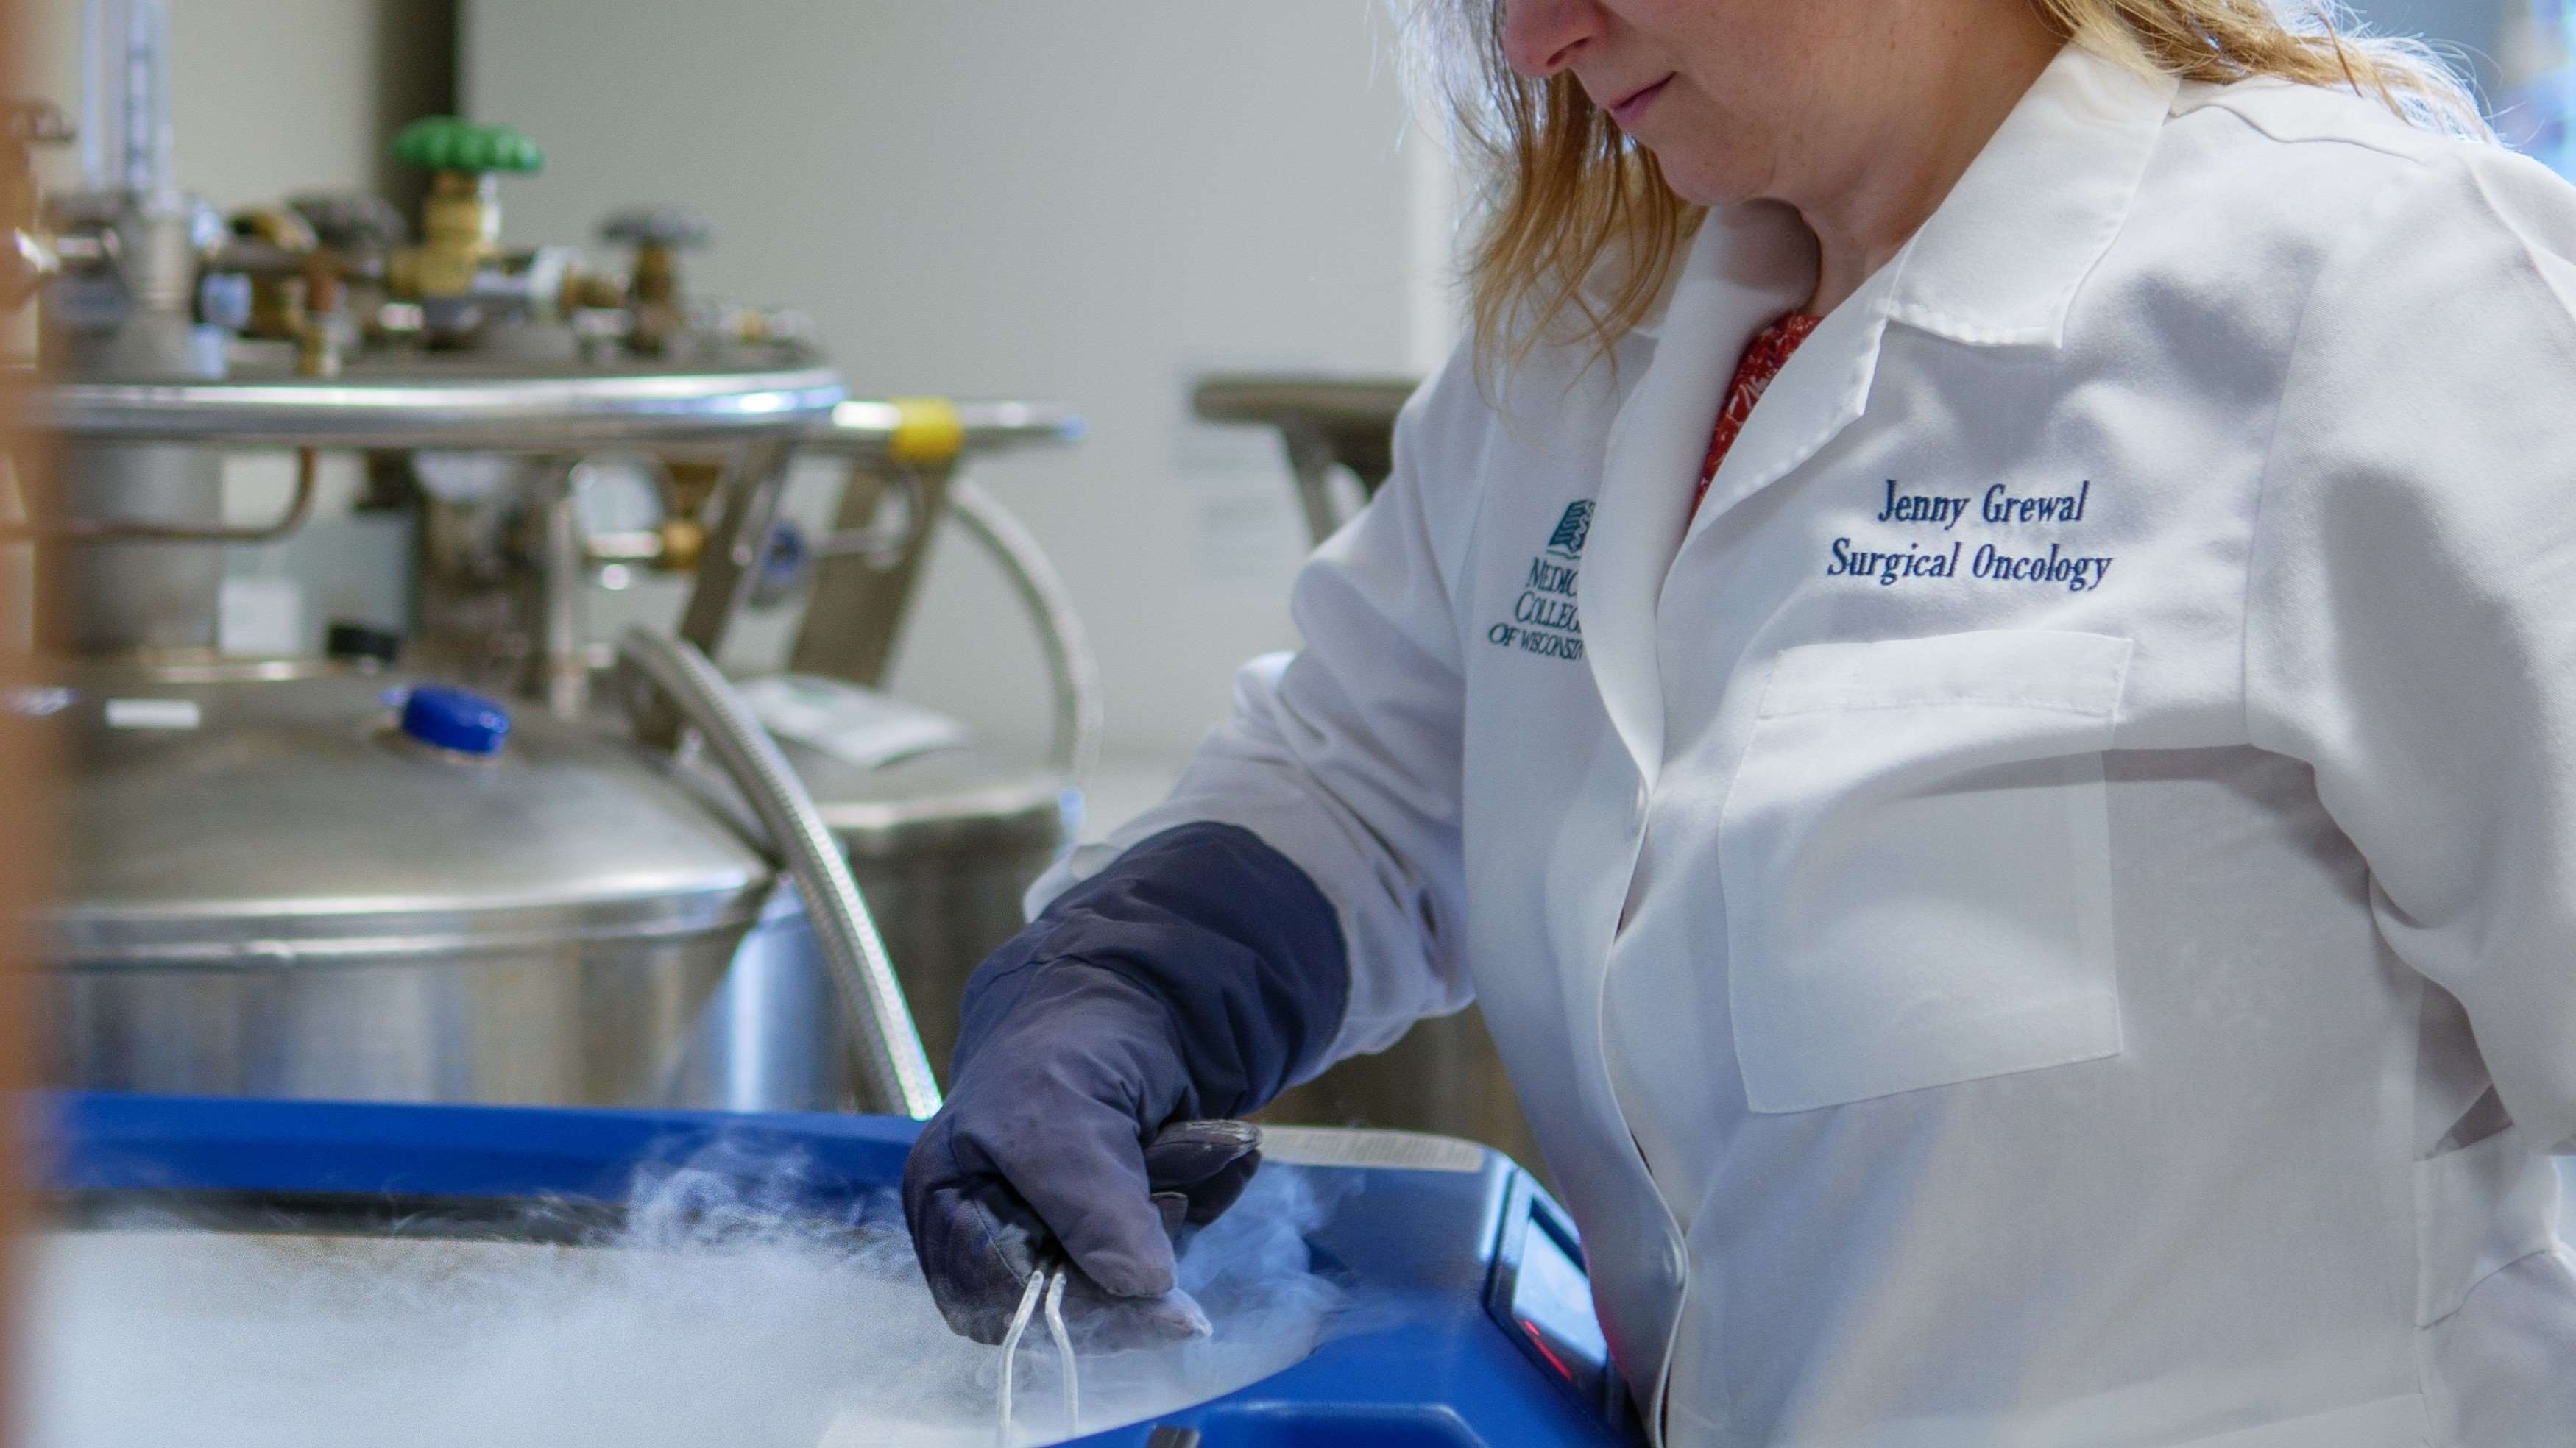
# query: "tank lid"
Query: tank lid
{"points": [[302, 820]]}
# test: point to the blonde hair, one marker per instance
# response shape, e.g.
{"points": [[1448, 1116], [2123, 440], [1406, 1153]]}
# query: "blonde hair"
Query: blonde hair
{"points": [[1578, 230]]}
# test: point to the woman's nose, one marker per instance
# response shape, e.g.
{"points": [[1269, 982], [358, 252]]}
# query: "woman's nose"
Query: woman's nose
{"points": [[1541, 37]]}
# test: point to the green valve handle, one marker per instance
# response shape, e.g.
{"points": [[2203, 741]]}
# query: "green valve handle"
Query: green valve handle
{"points": [[451, 143]]}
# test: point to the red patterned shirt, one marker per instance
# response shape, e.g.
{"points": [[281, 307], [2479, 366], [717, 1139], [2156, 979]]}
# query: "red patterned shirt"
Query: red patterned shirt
{"points": [[1764, 356]]}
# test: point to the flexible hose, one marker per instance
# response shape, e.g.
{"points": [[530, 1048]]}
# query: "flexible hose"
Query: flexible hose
{"points": [[1069, 659], [885, 1046]]}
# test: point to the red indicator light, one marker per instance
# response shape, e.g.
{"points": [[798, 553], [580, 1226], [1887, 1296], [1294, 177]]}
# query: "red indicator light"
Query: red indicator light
{"points": [[1539, 1340]]}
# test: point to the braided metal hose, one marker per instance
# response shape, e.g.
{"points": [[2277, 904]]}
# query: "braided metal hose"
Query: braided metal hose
{"points": [[1076, 673], [884, 1044]]}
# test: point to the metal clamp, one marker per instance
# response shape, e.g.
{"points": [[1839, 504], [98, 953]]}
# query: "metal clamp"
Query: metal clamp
{"points": [[884, 1044]]}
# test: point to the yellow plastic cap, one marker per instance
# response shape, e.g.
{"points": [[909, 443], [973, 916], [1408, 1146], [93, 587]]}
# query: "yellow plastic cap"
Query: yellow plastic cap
{"points": [[927, 431]]}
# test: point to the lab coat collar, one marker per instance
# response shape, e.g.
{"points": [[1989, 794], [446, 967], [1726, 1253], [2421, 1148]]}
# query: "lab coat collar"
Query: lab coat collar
{"points": [[1750, 264], [1998, 264]]}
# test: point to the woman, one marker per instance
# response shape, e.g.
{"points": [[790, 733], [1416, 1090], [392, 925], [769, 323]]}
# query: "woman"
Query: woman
{"points": [[2028, 881]]}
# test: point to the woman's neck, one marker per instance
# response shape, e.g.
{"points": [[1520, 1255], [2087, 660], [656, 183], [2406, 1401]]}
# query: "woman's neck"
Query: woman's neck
{"points": [[1969, 77]]}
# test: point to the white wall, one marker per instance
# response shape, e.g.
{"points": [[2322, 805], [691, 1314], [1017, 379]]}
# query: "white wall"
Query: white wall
{"points": [[1026, 197]]}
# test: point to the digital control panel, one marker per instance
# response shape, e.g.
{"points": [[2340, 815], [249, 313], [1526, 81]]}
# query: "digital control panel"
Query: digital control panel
{"points": [[1542, 1296]]}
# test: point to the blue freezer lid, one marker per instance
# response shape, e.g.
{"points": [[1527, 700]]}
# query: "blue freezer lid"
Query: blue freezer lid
{"points": [[1480, 1331]]}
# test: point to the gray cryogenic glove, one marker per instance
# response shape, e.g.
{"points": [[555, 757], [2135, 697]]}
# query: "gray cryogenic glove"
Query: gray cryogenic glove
{"points": [[1190, 980], [979, 1240]]}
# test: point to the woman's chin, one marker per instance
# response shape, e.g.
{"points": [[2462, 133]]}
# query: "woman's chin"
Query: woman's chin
{"points": [[1702, 182]]}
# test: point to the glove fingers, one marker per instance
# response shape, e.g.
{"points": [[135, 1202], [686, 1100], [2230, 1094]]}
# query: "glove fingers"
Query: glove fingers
{"points": [[987, 1205], [977, 1242], [1084, 1178], [1101, 1323], [981, 1290], [1207, 1164]]}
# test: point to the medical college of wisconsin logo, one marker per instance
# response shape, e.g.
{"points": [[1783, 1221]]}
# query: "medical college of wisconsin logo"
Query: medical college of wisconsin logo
{"points": [[1545, 620]]}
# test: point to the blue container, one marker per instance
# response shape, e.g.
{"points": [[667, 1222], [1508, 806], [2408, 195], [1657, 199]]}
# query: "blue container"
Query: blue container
{"points": [[1480, 1332]]}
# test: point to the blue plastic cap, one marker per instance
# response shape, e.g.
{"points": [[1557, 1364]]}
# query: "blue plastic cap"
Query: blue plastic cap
{"points": [[455, 719]]}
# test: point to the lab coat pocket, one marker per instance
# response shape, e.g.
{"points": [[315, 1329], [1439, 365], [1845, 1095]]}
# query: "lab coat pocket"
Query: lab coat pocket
{"points": [[1916, 859]]}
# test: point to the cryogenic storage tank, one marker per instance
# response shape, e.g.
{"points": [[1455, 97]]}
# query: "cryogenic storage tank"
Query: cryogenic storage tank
{"points": [[275, 888]]}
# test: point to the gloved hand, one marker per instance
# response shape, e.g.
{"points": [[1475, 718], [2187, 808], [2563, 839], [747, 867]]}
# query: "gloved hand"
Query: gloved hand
{"points": [[1044, 1145], [1189, 979]]}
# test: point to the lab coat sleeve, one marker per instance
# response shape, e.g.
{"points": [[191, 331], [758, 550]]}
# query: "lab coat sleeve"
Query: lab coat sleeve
{"points": [[2411, 610], [1345, 756]]}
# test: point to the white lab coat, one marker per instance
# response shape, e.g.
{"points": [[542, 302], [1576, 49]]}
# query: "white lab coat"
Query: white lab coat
{"points": [[2007, 922]]}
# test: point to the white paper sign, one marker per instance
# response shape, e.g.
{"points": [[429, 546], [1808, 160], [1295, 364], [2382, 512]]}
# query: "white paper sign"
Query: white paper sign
{"points": [[860, 726], [153, 714]]}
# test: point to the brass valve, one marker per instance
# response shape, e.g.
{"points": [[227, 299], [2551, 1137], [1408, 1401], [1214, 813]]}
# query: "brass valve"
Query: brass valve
{"points": [[461, 221], [659, 234], [324, 335], [460, 226], [280, 242], [684, 542], [585, 289]]}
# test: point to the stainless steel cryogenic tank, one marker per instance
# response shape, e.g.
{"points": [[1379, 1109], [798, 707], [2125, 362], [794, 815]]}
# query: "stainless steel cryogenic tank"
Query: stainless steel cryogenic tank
{"points": [[273, 890], [298, 877]]}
